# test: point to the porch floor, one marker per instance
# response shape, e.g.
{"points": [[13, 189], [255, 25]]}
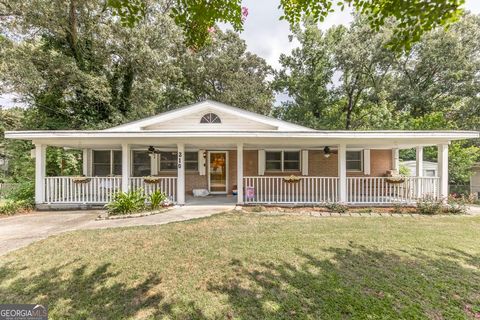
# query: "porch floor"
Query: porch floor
{"points": [[213, 199]]}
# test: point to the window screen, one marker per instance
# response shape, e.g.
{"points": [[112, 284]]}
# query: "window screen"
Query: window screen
{"points": [[141, 163], [168, 161], [273, 160], [354, 160]]}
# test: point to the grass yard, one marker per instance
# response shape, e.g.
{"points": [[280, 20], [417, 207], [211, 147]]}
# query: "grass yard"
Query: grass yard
{"points": [[235, 266]]}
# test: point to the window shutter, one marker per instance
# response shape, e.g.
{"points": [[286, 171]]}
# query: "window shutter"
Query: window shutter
{"points": [[366, 161], [305, 162], [201, 163], [261, 162]]}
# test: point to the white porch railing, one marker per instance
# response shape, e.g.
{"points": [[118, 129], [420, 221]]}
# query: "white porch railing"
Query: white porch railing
{"points": [[95, 190], [360, 190], [377, 190], [263, 189], [167, 185]]}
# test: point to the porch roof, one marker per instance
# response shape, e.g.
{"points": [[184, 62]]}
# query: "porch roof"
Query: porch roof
{"points": [[380, 138]]}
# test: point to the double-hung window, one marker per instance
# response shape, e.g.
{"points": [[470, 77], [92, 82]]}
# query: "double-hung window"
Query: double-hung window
{"points": [[141, 163], [168, 161], [354, 160], [282, 160], [191, 161], [106, 163]]}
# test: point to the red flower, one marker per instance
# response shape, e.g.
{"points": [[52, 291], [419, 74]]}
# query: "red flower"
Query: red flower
{"points": [[244, 13]]}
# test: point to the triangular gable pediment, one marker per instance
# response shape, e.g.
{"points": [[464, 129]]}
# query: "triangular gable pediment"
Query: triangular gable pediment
{"points": [[189, 119]]}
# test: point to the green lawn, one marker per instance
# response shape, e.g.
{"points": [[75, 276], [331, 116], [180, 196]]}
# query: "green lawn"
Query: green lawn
{"points": [[248, 266]]}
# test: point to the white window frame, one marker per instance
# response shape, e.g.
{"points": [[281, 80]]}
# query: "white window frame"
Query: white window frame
{"points": [[159, 169], [282, 160], [159, 159], [132, 159], [191, 161], [361, 160], [92, 164]]}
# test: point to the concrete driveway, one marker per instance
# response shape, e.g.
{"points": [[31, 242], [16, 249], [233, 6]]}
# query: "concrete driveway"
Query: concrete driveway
{"points": [[19, 231]]}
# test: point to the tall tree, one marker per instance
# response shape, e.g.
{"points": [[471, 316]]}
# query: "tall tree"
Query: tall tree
{"points": [[227, 72], [305, 77], [337, 78], [81, 68], [413, 18], [442, 74]]}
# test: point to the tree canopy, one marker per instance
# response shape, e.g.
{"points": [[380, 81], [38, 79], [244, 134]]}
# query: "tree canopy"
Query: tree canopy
{"points": [[346, 78], [81, 68], [412, 18]]}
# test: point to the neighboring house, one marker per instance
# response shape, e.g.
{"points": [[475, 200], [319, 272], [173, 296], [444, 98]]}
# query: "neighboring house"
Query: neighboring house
{"points": [[475, 180], [430, 169], [226, 150]]}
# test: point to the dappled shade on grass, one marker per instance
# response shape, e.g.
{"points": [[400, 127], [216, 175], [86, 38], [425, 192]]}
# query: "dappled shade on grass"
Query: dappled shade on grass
{"points": [[255, 267], [356, 282]]}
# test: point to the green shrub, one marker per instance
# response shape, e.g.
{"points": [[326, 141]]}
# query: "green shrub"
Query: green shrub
{"points": [[157, 199], [8, 208], [429, 205], [126, 203], [456, 205], [337, 207], [23, 192], [11, 207]]}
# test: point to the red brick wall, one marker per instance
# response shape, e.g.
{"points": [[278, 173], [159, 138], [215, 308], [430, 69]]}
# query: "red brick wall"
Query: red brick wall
{"points": [[318, 165]]}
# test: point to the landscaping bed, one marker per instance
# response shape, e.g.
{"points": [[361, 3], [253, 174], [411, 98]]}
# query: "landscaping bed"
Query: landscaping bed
{"points": [[107, 216]]}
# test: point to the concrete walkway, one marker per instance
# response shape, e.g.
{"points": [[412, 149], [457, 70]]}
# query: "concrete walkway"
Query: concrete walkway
{"points": [[21, 230]]}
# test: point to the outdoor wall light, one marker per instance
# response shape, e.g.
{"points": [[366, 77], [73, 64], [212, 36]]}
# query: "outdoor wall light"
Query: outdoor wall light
{"points": [[326, 152]]}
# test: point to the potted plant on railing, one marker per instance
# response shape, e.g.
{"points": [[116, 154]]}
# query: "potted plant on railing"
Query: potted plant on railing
{"points": [[291, 179], [394, 177], [80, 179], [152, 180]]}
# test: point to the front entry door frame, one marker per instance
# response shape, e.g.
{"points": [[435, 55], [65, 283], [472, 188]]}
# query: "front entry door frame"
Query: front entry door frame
{"points": [[226, 173]]}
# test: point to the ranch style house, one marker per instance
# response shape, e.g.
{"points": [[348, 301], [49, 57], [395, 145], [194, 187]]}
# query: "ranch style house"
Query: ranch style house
{"points": [[247, 158]]}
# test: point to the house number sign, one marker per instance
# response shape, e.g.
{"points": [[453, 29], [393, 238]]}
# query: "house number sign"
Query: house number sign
{"points": [[180, 155]]}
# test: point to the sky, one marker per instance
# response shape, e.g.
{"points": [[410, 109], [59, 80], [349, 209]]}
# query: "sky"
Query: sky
{"points": [[266, 35]]}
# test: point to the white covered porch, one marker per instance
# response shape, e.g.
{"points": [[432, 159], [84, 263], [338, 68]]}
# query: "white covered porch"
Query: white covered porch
{"points": [[304, 189]]}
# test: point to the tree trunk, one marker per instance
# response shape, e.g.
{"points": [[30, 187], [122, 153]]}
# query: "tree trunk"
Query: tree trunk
{"points": [[349, 108], [73, 30]]}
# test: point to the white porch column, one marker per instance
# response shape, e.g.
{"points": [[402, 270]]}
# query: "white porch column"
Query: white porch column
{"points": [[342, 173], [181, 173], [239, 173], [153, 164], [86, 162], [419, 169], [396, 159], [443, 170], [125, 167], [40, 156]]}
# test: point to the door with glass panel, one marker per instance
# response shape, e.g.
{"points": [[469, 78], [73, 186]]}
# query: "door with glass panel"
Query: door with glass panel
{"points": [[217, 171]]}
